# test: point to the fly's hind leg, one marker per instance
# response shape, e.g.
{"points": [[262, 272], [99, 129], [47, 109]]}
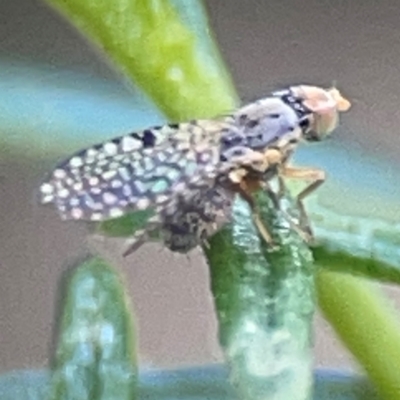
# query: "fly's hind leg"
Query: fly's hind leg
{"points": [[245, 192], [142, 236], [275, 197], [317, 177]]}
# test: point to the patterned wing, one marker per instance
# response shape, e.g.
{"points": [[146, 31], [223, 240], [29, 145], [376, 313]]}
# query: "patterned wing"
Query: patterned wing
{"points": [[134, 172]]}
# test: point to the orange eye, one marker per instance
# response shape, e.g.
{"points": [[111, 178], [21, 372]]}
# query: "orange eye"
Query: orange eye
{"points": [[325, 123]]}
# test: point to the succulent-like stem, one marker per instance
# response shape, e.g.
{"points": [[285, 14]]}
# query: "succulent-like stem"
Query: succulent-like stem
{"points": [[96, 349], [265, 300]]}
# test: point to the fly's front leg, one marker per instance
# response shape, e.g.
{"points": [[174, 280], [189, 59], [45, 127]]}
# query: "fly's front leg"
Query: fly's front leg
{"points": [[275, 159], [317, 177], [242, 184]]}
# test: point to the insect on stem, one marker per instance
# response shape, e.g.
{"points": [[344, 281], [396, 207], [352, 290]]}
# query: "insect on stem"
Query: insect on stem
{"points": [[189, 173]]}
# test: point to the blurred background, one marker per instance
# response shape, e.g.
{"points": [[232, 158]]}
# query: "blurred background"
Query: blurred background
{"points": [[47, 69]]}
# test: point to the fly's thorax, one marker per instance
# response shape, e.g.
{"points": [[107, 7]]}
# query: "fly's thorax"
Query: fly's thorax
{"points": [[266, 121], [268, 124]]}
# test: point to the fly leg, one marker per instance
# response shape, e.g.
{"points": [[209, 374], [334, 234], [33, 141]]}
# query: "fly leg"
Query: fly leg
{"points": [[245, 191], [317, 178], [275, 197], [140, 237]]}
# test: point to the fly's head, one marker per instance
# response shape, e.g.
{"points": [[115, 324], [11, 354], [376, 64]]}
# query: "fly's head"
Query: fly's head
{"points": [[324, 106]]}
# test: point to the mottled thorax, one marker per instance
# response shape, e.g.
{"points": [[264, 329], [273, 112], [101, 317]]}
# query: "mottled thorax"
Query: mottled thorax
{"points": [[267, 121]]}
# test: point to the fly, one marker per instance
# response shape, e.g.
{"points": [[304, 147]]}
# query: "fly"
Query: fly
{"points": [[189, 173]]}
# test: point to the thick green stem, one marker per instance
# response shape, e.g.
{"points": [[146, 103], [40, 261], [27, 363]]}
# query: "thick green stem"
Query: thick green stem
{"points": [[156, 46], [372, 267], [365, 322], [265, 302]]}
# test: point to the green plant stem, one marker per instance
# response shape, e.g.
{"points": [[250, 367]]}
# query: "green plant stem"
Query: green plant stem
{"points": [[152, 44], [265, 302], [365, 322], [96, 349], [336, 260]]}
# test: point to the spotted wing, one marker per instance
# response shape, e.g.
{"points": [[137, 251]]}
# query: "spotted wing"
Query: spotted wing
{"points": [[133, 172]]}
